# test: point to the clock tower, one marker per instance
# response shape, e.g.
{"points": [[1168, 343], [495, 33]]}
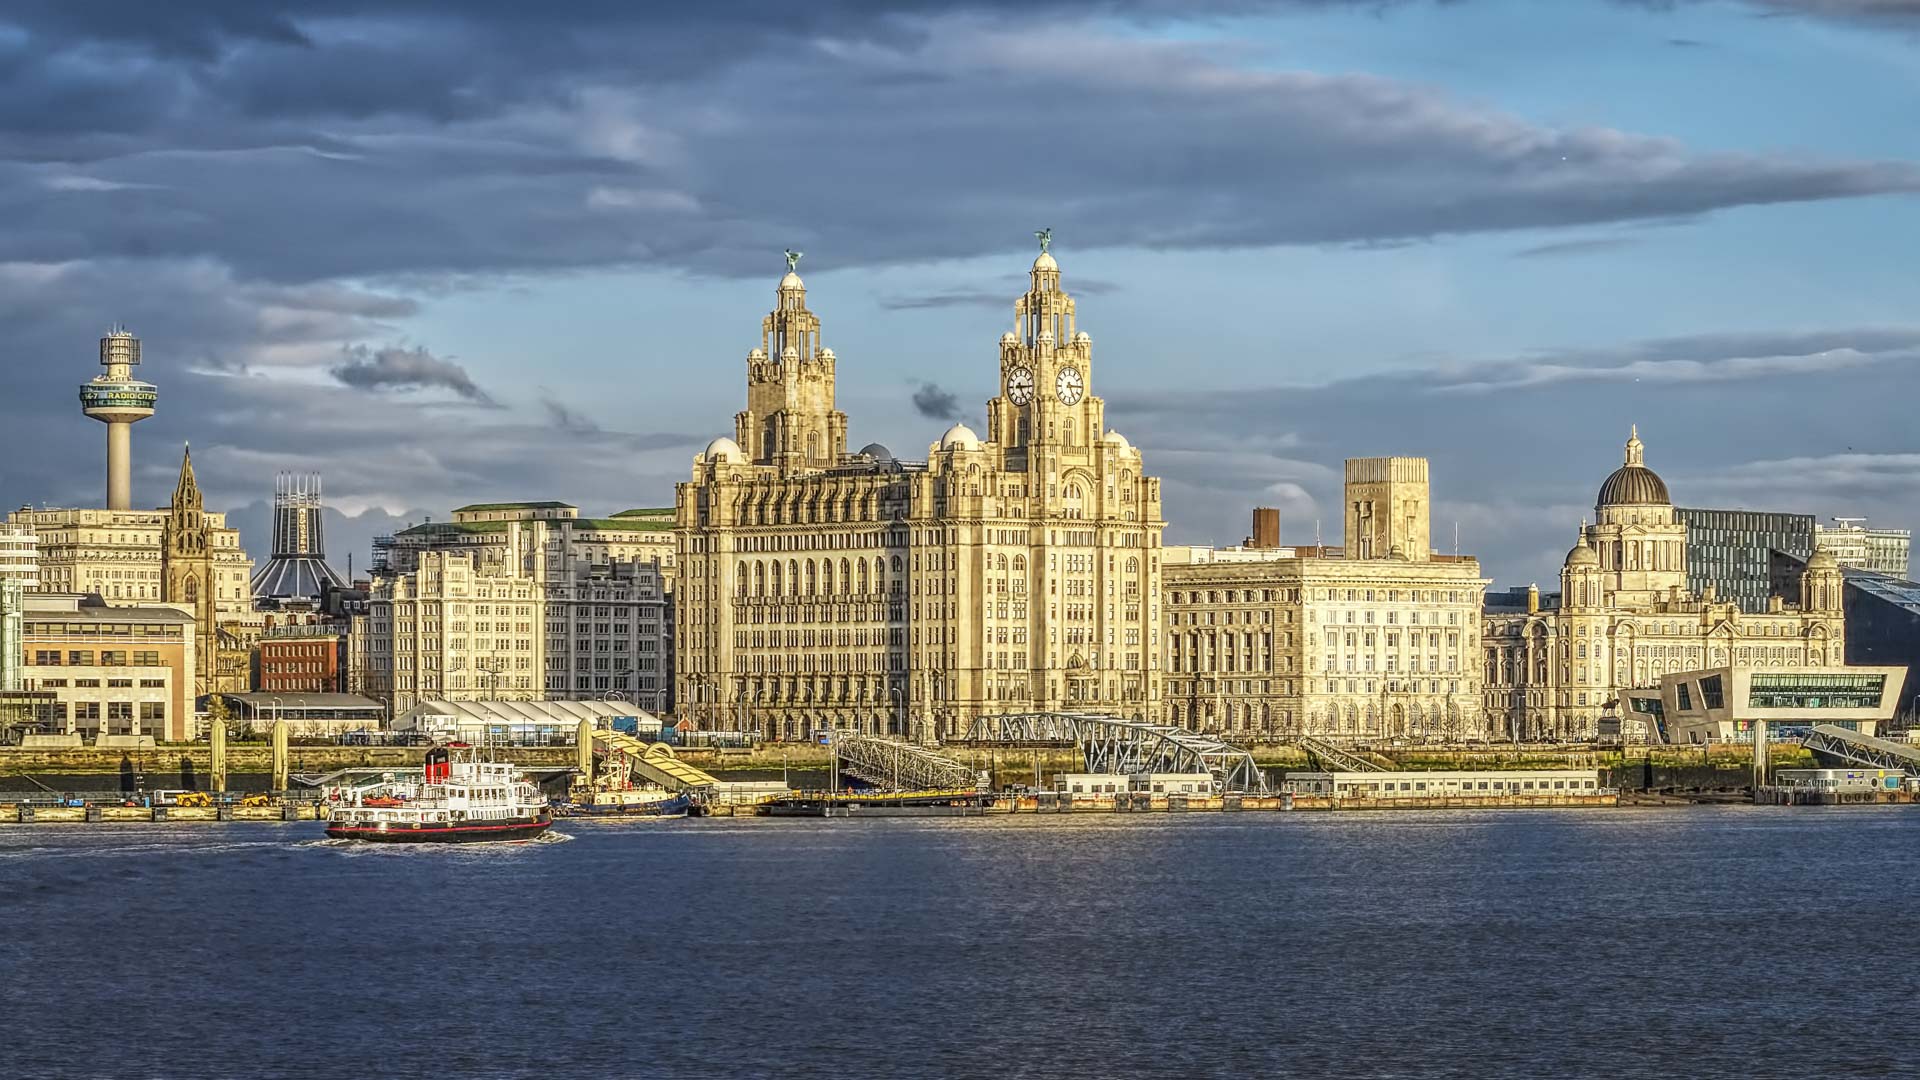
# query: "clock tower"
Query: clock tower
{"points": [[1046, 372]]}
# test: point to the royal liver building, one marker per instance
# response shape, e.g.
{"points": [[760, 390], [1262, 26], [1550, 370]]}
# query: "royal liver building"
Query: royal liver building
{"points": [[1019, 572]]}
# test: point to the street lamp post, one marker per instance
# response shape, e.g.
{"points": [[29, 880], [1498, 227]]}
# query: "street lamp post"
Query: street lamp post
{"points": [[900, 723]]}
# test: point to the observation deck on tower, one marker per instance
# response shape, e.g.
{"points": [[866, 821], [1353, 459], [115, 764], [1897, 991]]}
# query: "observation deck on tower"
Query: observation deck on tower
{"points": [[117, 399]]}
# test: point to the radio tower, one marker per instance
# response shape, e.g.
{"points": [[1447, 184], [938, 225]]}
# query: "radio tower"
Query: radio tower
{"points": [[118, 400]]}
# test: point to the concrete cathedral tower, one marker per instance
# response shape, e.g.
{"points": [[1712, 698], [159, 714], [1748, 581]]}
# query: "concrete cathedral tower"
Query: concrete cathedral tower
{"points": [[298, 570], [790, 420], [117, 399]]}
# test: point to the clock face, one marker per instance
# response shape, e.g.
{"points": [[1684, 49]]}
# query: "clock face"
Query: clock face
{"points": [[1069, 386], [1020, 385]]}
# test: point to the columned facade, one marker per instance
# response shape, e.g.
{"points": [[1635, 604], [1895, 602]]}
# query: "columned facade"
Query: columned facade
{"points": [[1627, 616], [820, 588]]}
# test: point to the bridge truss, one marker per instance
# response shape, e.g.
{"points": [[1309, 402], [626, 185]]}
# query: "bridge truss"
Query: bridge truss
{"points": [[1327, 757], [1125, 747], [1832, 743], [901, 766]]}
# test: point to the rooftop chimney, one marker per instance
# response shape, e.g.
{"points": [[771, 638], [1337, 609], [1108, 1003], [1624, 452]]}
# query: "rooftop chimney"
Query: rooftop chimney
{"points": [[1266, 528]]}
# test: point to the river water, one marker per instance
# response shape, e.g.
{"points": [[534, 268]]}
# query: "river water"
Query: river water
{"points": [[1703, 942]]}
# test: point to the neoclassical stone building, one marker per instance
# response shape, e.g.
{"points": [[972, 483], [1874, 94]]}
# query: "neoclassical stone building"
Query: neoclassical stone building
{"points": [[818, 587], [1626, 616], [1378, 638]]}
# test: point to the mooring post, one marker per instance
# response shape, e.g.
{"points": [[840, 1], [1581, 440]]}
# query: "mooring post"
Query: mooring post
{"points": [[279, 755], [217, 763]]}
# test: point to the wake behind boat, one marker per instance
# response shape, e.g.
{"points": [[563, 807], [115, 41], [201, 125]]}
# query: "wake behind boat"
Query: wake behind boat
{"points": [[456, 798]]}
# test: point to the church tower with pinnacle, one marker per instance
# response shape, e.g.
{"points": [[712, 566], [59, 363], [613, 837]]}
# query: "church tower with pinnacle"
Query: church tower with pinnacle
{"points": [[187, 568]]}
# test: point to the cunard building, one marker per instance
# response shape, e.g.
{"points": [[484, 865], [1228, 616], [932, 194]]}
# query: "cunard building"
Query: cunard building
{"points": [[1018, 571]]}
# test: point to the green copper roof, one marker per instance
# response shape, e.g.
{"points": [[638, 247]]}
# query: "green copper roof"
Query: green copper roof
{"points": [[624, 524], [648, 512], [442, 527], [547, 505]]}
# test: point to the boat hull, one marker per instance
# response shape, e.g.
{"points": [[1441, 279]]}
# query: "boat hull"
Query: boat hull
{"points": [[677, 806], [465, 833]]}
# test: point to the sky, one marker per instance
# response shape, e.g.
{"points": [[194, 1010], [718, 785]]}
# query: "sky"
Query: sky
{"points": [[447, 253]]}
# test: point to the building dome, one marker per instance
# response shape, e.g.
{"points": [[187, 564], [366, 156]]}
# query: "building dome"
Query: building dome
{"points": [[1822, 560], [1045, 262], [1582, 555], [1633, 484], [877, 452], [724, 449], [1008, 338], [791, 281], [959, 437], [826, 354], [1115, 439]]}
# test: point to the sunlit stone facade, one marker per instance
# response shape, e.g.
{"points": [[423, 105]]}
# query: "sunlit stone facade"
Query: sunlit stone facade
{"points": [[1626, 616], [819, 587]]}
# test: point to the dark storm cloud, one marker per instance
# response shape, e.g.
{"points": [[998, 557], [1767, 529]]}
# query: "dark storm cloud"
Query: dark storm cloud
{"points": [[256, 186], [396, 368], [936, 404], [300, 142]]}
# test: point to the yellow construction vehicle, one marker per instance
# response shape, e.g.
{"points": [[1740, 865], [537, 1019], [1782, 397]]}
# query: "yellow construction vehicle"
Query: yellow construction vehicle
{"points": [[193, 798], [257, 799]]}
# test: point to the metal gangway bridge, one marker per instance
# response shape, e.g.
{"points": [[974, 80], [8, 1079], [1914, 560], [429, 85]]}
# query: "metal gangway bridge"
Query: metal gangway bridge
{"points": [[900, 765], [1830, 742], [1326, 757], [654, 761], [1126, 747]]}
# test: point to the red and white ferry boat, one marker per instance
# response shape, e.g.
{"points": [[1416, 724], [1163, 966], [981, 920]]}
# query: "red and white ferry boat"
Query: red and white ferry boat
{"points": [[456, 798]]}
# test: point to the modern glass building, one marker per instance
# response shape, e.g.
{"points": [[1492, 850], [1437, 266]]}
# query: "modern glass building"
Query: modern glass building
{"points": [[1883, 625], [1725, 704], [1728, 549]]}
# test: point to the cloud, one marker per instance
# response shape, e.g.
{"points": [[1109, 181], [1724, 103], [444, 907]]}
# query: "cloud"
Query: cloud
{"points": [[1517, 462], [1582, 246], [1703, 358], [598, 136], [564, 417], [968, 298], [396, 368], [936, 404]]}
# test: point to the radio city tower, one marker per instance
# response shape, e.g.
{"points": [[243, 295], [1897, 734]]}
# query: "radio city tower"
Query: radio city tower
{"points": [[118, 400]]}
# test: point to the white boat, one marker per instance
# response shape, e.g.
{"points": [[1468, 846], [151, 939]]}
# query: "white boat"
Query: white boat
{"points": [[455, 798]]}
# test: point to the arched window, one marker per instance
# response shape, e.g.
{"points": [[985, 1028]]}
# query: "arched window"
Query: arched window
{"points": [[813, 579], [863, 575], [740, 575], [759, 579], [793, 577], [773, 582]]}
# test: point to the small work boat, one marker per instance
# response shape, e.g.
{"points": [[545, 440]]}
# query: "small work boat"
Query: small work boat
{"points": [[636, 802], [456, 798]]}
